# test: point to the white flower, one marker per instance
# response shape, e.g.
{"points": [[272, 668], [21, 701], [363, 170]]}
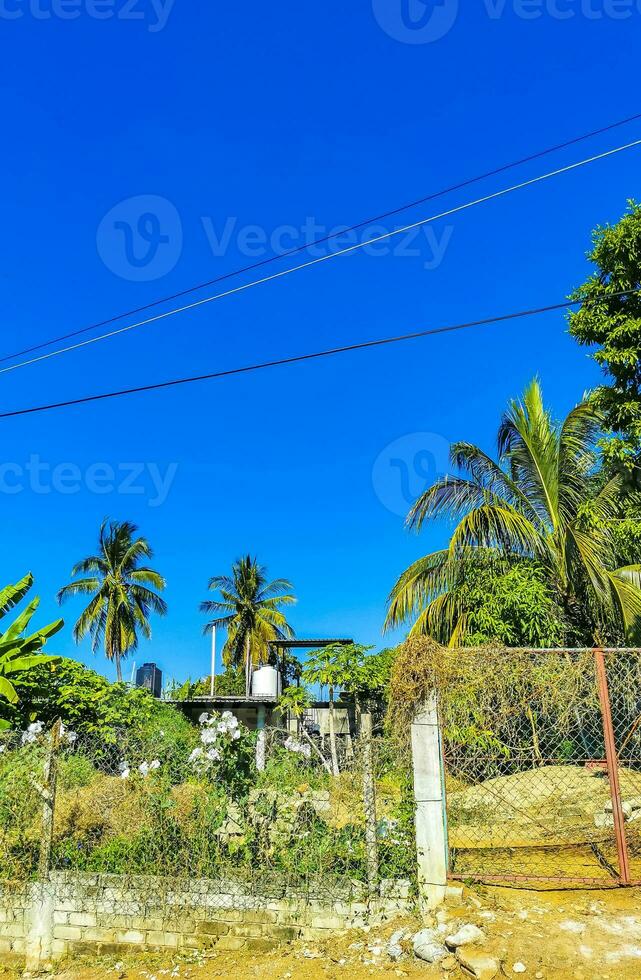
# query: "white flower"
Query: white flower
{"points": [[32, 732], [226, 715], [143, 769], [3, 748], [235, 734], [222, 727], [295, 746], [155, 764], [204, 718], [208, 736], [213, 755], [195, 755], [124, 774], [72, 738]]}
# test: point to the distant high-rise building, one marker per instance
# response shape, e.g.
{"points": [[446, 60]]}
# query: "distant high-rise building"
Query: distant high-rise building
{"points": [[150, 676]]}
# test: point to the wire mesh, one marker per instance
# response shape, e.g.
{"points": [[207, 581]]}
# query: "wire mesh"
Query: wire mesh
{"points": [[529, 788], [256, 814]]}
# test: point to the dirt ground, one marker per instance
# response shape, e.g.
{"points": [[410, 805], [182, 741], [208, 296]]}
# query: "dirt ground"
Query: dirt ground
{"points": [[580, 935]]}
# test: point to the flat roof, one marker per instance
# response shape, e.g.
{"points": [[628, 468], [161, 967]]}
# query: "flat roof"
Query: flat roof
{"points": [[306, 644]]}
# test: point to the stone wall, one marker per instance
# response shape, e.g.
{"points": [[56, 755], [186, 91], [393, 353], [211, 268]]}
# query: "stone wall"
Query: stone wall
{"points": [[106, 913]]}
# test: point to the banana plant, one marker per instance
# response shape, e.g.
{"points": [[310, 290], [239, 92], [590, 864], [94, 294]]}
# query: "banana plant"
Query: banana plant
{"points": [[19, 653]]}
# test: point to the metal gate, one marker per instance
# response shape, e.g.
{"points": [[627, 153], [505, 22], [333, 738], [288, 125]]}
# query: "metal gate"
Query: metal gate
{"points": [[543, 766]]}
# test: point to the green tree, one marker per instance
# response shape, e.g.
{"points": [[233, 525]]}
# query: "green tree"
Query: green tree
{"points": [[346, 667], [534, 504], [121, 589], [249, 608], [20, 654], [613, 324], [510, 602]]}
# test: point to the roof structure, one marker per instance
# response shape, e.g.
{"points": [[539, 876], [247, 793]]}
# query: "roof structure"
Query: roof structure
{"points": [[306, 644]]}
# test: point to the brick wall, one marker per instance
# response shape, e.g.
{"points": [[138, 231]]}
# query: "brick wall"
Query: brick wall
{"points": [[105, 913]]}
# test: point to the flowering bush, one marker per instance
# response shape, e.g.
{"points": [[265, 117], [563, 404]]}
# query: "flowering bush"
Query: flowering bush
{"points": [[226, 750]]}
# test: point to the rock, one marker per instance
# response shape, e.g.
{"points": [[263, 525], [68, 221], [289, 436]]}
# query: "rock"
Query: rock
{"points": [[477, 963], [603, 821], [519, 968], [394, 948], [467, 935], [427, 946], [449, 963], [626, 806]]}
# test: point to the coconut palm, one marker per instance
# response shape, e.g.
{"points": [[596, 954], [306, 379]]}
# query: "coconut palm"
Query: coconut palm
{"points": [[538, 502], [121, 589], [249, 609]]}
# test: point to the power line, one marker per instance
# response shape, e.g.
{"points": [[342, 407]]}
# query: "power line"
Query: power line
{"points": [[324, 258], [313, 355], [327, 238]]}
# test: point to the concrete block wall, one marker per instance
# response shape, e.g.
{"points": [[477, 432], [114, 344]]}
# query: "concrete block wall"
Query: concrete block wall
{"points": [[109, 913]]}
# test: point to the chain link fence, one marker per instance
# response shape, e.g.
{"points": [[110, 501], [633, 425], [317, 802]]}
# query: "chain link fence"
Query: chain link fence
{"points": [[543, 765], [261, 811]]}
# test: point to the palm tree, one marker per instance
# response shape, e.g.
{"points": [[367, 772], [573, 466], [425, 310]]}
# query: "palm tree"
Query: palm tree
{"points": [[122, 592], [249, 608], [537, 503]]}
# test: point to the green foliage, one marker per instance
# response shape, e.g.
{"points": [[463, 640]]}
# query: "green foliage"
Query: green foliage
{"points": [[614, 325], [295, 700], [121, 589], [512, 604], [529, 505], [249, 608], [88, 704], [20, 654], [351, 668], [231, 682]]}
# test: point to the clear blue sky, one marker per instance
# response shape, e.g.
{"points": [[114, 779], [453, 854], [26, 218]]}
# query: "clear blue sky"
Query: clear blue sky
{"points": [[270, 114]]}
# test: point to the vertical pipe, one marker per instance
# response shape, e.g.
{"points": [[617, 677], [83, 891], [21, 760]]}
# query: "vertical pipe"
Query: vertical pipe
{"points": [[213, 662], [613, 767]]}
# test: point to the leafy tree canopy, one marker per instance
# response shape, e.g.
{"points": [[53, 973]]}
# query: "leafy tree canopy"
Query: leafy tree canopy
{"points": [[613, 324], [93, 707]]}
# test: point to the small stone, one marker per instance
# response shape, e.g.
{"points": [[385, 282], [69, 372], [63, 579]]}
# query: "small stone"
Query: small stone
{"points": [[394, 948], [479, 964], [539, 975], [603, 821], [427, 946], [449, 963], [519, 968], [467, 935]]}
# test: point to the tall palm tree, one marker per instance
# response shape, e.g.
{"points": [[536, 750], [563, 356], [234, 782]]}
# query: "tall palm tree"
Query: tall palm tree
{"points": [[122, 591], [249, 608], [536, 503]]}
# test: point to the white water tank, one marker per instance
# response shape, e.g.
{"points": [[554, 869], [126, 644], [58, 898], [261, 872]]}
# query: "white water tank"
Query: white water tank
{"points": [[266, 683]]}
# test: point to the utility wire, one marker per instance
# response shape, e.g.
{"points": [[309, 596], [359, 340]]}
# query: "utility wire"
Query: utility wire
{"points": [[324, 258], [314, 355], [320, 241]]}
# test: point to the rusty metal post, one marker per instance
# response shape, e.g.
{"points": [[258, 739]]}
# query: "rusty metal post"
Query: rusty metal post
{"points": [[613, 767]]}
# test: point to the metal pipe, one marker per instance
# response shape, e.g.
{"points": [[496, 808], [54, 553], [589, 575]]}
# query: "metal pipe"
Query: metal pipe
{"points": [[613, 767]]}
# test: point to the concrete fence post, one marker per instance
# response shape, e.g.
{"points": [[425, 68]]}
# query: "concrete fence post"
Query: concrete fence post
{"points": [[429, 794]]}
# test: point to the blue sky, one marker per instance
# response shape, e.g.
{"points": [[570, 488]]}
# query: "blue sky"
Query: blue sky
{"points": [[239, 115]]}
